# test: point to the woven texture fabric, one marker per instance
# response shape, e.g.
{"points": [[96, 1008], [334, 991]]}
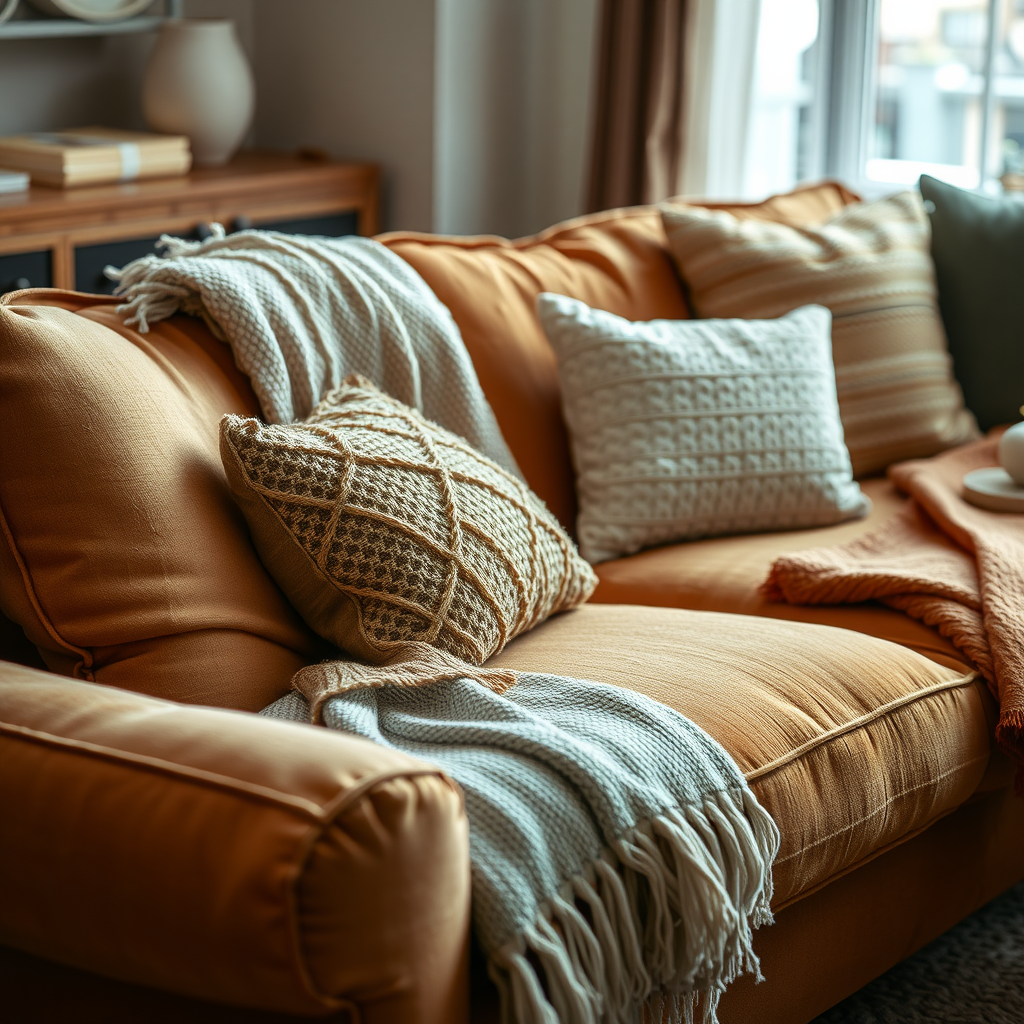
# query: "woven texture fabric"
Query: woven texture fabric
{"points": [[619, 858], [871, 266], [300, 313], [687, 429], [955, 567], [383, 528]]}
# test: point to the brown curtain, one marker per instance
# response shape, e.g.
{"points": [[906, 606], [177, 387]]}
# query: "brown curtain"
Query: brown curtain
{"points": [[638, 130]]}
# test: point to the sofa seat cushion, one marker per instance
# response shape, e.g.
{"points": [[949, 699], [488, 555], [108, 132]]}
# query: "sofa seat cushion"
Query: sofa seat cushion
{"points": [[724, 574], [123, 556], [617, 260], [852, 743]]}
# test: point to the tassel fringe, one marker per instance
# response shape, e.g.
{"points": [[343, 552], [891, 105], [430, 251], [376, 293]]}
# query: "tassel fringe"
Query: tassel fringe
{"points": [[151, 300], [655, 929]]}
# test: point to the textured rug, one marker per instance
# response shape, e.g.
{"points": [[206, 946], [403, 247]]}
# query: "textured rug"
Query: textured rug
{"points": [[974, 974]]}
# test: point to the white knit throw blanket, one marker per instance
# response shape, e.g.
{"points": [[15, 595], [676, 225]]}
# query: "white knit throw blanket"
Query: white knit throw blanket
{"points": [[301, 312], [619, 861]]}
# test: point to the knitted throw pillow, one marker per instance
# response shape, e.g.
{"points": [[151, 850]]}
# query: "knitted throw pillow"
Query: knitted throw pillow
{"points": [[382, 528], [690, 428]]}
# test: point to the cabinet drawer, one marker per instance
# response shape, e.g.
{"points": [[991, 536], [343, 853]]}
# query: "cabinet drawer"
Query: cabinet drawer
{"points": [[25, 270], [90, 260]]}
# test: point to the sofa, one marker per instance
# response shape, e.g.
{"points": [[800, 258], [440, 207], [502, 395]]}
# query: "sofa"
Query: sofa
{"points": [[168, 855]]}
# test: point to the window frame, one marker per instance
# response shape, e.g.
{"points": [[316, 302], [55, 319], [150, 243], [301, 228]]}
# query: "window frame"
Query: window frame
{"points": [[845, 82]]}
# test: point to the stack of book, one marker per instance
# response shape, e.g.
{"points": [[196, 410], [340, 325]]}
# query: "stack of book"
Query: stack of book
{"points": [[95, 156], [12, 181]]}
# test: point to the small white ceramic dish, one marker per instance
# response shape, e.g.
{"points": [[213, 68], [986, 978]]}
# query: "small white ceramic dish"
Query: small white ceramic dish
{"points": [[993, 489]]}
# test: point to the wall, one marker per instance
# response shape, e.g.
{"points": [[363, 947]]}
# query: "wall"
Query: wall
{"points": [[356, 78], [478, 111], [513, 113]]}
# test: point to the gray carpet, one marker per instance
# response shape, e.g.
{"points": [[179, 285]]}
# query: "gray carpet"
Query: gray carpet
{"points": [[974, 974]]}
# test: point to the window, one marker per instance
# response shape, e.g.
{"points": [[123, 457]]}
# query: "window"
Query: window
{"points": [[878, 92]]}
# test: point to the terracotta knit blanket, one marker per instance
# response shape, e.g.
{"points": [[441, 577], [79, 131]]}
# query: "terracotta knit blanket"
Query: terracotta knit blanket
{"points": [[957, 568]]}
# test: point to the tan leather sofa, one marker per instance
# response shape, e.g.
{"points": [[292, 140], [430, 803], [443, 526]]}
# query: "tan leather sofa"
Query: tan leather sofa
{"points": [[162, 860]]}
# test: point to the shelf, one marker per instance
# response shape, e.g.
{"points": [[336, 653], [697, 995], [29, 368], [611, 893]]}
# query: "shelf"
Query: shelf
{"points": [[66, 28]]}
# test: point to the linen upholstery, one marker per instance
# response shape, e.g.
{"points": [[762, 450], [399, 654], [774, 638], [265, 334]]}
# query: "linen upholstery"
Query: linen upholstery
{"points": [[725, 574], [229, 857], [849, 742], [384, 528], [687, 429], [616, 260], [820, 949], [123, 556], [871, 266]]}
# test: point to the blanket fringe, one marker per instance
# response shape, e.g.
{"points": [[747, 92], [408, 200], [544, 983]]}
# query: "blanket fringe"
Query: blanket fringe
{"points": [[151, 300], [653, 930]]}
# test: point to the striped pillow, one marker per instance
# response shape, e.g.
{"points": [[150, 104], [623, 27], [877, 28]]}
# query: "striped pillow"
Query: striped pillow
{"points": [[870, 265]]}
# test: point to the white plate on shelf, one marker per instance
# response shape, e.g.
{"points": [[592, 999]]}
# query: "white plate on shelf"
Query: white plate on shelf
{"points": [[92, 10], [994, 490]]}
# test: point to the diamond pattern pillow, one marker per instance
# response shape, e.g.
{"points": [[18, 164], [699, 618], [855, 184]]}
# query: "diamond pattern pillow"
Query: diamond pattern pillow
{"points": [[690, 428], [384, 528]]}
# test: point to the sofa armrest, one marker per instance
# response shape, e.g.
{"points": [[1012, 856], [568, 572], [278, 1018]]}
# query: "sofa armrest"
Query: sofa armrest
{"points": [[229, 857]]}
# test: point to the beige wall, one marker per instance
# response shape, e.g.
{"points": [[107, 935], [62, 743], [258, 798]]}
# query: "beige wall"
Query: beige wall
{"points": [[356, 78], [477, 110], [513, 113]]}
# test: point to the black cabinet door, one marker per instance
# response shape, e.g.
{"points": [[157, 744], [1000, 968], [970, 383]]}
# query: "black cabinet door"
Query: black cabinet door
{"points": [[334, 226], [91, 260], [25, 270]]}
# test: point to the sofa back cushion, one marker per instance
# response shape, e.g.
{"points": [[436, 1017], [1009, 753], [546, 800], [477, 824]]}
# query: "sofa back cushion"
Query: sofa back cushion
{"points": [[123, 556], [871, 267], [616, 261]]}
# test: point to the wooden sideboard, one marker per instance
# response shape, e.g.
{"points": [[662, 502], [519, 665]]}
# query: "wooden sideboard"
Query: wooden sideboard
{"points": [[65, 237]]}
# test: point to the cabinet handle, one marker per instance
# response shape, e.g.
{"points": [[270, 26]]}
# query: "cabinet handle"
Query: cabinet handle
{"points": [[242, 222], [203, 232], [17, 284]]}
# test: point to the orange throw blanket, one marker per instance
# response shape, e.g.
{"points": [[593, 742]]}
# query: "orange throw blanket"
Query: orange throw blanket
{"points": [[957, 568]]}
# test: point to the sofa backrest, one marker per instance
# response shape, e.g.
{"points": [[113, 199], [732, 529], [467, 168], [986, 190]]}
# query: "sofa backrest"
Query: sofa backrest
{"points": [[617, 260], [123, 556]]}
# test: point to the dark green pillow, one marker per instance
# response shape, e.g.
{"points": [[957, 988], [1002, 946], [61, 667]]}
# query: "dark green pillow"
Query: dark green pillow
{"points": [[978, 248]]}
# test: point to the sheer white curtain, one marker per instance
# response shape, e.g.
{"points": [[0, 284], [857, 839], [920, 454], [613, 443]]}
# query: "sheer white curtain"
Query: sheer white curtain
{"points": [[722, 51], [749, 96]]}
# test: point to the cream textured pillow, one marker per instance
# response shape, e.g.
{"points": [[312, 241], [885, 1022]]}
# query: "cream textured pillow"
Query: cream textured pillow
{"points": [[383, 528], [870, 265], [689, 428]]}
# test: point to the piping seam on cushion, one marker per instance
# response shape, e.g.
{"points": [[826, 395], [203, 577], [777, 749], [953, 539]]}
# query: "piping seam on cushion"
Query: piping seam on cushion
{"points": [[882, 806], [28, 583], [322, 814], [856, 723]]}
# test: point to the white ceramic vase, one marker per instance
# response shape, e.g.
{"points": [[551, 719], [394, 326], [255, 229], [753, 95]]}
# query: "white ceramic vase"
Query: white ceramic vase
{"points": [[198, 83]]}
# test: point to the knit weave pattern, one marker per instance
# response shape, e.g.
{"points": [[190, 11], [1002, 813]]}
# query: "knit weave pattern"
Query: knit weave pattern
{"points": [[694, 428], [619, 858], [432, 541], [301, 312]]}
